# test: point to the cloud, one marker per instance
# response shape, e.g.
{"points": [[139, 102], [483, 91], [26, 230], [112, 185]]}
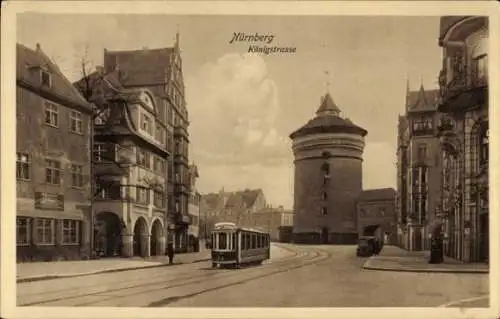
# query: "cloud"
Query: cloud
{"points": [[233, 107]]}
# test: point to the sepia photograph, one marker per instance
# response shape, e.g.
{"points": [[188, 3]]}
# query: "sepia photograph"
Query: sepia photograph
{"points": [[202, 160]]}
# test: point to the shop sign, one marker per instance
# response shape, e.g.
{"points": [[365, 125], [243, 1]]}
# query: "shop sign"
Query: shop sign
{"points": [[49, 201]]}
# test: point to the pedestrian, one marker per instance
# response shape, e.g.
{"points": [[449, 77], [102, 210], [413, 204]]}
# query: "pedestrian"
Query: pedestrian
{"points": [[170, 253]]}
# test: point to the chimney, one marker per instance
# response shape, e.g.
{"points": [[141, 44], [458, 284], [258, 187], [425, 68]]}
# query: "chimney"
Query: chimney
{"points": [[38, 46], [99, 69]]}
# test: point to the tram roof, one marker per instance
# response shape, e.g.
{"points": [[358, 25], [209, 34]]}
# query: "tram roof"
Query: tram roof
{"points": [[232, 226]]}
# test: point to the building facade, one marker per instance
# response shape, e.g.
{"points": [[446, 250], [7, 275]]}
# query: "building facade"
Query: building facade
{"points": [[236, 207], [160, 71], [129, 168], [419, 169], [328, 177], [271, 220], [464, 136], [194, 210], [53, 162], [376, 209]]}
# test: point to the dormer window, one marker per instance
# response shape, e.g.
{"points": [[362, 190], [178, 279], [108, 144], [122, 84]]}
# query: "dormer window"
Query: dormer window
{"points": [[45, 78], [146, 124]]}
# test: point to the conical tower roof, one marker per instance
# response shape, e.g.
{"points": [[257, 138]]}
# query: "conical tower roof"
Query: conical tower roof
{"points": [[327, 120], [328, 107]]}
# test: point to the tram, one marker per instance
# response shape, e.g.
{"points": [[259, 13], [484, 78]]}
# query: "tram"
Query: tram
{"points": [[233, 246]]}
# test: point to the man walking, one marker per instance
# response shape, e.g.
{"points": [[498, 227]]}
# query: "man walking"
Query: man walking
{"points": [[170, 253]]}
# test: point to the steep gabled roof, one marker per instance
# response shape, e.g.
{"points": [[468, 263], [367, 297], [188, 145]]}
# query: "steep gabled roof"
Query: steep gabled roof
{"points": [[328, 107], [422, 100], [140, 67], [30, 61]]}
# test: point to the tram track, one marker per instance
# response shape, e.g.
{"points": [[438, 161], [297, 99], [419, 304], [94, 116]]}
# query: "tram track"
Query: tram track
{"points": [[136, 283], [208, 280]]}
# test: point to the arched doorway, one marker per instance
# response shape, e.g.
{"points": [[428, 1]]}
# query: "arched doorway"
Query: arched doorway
{"points": [[156, 235], [140, 232], [108, 234], [370, 230]]}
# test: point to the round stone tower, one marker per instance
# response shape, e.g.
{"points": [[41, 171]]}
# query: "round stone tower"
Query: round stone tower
{"points": [[328, 153]]}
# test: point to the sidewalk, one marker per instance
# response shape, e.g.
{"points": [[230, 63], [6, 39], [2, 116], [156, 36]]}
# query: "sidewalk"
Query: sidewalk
{"points": [[35, 271], [393, 258]]}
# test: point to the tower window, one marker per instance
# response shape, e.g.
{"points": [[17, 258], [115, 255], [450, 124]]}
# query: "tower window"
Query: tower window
{"points": [[325, 195], [324, 211]]}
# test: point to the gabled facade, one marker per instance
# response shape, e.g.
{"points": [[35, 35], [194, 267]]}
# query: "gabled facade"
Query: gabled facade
{"points": [[53, 162], [464, 135], [160, 71], [129, 169], [419, 168]]}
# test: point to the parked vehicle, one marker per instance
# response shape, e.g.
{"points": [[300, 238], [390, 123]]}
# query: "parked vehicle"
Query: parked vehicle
{"points": [[234, 246], [367, 246]]}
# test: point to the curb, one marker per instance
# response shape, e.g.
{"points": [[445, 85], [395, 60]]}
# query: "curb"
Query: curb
{"points": [[421, 270], [51, 277]]}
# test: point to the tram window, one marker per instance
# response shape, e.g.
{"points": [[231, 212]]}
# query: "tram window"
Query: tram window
{"points": [[234, 241], [247, 240], [254, 241], [222, 240], [259, 244]]}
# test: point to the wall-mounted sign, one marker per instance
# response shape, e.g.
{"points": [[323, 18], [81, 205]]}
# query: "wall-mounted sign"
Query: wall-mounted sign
{"points": [[49, 201]]}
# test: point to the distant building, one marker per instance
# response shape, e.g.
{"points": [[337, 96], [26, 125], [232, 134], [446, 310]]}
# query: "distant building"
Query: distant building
{"points": [[270, 220], [328, 177], [464, 135], [233, 206], [419, 168], [54, 219], [130, 169], [194, 210], [376, 209], [247, 208]]}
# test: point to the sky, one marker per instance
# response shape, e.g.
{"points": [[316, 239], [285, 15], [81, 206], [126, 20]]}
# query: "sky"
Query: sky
{"points": [[242, 107]]}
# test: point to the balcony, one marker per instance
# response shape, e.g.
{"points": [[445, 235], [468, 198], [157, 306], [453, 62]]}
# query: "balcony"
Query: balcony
{"points": [[181, 131], [466, 90]]}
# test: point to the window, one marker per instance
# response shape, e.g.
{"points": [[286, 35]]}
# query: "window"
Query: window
{"points": [[45, 78], [143, 158], [177, 206], [110, 190], [76, 175], [159, 199], [45, 231], [222, 240], [51, 114], [160, 133], [142, 195], [146, 124], [480, 67], [70, 232], [159, 164], [75, 122], [23, 231], [170, 171], [325, 196], [324, 211], [104, 152], [23, 167], [52, 172], [177, 177], [484, 136], [422, 152]]}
